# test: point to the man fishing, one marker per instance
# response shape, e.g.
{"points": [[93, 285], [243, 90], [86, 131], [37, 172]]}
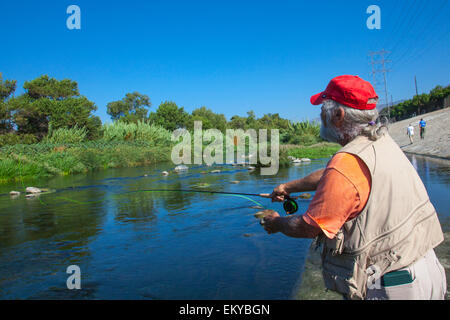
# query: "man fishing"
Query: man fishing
{"points": [[371, 213]]}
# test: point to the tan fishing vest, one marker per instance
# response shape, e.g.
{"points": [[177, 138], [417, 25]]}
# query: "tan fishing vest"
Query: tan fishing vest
{"points": [[397, 226]]}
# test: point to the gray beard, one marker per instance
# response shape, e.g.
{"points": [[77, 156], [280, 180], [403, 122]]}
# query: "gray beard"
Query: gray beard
{"points": [[329, 134]]}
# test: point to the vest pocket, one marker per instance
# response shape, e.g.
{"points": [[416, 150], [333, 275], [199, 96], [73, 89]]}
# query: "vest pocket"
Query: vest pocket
{"points": [[339, 274], [339, 283]]}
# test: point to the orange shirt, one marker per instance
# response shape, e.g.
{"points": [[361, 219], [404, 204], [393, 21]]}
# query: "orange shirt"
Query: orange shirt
{"points": [[341, 194]]}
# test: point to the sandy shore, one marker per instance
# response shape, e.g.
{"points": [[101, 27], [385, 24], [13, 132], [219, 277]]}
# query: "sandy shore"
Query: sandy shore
{"points": [[437, 134]]}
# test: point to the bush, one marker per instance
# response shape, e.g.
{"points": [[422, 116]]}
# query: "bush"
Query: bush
{"points": [[12, 139]]}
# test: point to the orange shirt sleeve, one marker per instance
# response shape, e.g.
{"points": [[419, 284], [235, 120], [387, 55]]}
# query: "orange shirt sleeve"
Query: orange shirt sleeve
{"points": [[342, 193]]}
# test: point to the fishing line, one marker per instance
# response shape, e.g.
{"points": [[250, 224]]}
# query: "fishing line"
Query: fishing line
{"points": [[138, 191], [290, 206]]}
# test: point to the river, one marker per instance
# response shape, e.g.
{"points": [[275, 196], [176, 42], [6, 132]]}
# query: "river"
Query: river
{"points": [[159, 245]]}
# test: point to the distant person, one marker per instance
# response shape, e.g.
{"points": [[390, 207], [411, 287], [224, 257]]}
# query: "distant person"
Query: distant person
{"points": [[371, 214], [410, 133], [422, 125]]}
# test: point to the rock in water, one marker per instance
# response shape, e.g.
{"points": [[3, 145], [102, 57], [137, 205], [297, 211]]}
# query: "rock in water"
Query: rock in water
{"points": [[215, 171], [14, 193], [235, 182], [165, 173], [305, 195], [181, 168], [306, 160], [297, 161], [32, 195], [33, 190], [263, 213]]}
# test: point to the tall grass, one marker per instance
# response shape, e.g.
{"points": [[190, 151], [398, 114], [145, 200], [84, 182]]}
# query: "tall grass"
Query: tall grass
{"points": [[305, 127], [304, 133], [47, 159], [140, 131], [66, 135]]}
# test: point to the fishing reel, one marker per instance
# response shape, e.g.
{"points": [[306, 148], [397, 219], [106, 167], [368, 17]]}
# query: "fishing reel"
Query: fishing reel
{"points": [[290, 206]]}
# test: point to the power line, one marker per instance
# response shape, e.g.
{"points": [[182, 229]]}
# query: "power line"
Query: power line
{"points": [[433, 37], [428, 37], [400, 22], [412, 20]]}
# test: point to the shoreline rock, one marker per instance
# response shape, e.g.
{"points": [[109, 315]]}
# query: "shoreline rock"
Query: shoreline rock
{"points": [[33, 190], [181, 168]]}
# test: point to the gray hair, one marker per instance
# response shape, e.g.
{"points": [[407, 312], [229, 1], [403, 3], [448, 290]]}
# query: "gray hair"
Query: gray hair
{"points": [[356, 122]]}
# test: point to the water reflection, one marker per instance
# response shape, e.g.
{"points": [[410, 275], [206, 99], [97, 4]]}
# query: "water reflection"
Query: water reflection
{"points": [[158, 245]]}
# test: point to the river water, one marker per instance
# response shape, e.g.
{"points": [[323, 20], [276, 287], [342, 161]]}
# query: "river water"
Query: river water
{"points": [[159, 245]]}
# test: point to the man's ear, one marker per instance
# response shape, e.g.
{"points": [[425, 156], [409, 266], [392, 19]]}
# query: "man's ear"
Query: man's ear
{"points": [[338, 117]]}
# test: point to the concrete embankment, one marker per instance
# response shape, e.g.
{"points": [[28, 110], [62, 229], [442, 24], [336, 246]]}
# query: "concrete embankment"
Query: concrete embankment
{"points": [[437, 135]]}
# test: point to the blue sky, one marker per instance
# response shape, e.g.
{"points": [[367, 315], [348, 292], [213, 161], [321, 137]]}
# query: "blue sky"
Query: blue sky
{"points": [[231, 56]]}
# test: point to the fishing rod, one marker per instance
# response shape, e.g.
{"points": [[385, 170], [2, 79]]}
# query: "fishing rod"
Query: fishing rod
{"points": [[290, 206]]}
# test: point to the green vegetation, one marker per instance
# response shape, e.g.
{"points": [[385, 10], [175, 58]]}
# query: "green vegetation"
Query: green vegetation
{"points": [[420, 104], [66, 135], [47, 159], [132, 108], [141, 131], [316, 151], [50, 130]]}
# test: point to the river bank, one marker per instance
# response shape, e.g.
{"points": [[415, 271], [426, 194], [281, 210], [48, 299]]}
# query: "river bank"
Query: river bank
{"points": [[28, 162], [437, 136], [35, 161]]}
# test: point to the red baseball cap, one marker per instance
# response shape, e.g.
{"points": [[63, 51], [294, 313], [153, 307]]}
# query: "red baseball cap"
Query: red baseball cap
{"points": [[351, 91]]}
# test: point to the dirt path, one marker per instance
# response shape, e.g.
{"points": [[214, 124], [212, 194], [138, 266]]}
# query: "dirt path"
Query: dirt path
{"points": [[437, 135]]}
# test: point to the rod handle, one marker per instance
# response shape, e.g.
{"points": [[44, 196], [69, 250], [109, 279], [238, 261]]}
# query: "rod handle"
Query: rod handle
{"points": [[264, 195]]}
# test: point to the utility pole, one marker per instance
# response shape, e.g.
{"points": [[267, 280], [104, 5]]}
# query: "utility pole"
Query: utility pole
{"points": [[417, 93], [377, 58], [415, 81]]}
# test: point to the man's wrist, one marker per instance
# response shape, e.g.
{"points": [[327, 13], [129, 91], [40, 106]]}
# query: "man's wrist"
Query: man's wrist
{"points": [[287, 188], [283, 224]]}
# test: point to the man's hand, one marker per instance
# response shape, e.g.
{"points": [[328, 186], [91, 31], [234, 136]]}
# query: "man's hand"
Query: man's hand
{"points": [[279, 193], [271, 222]]}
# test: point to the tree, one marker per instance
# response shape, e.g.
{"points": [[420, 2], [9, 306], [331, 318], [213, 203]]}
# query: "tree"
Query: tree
{"points": [[48, 101], [7, 88], [170, 116], [237, 122], [420, 103], [209, 119], [131, 108]]}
